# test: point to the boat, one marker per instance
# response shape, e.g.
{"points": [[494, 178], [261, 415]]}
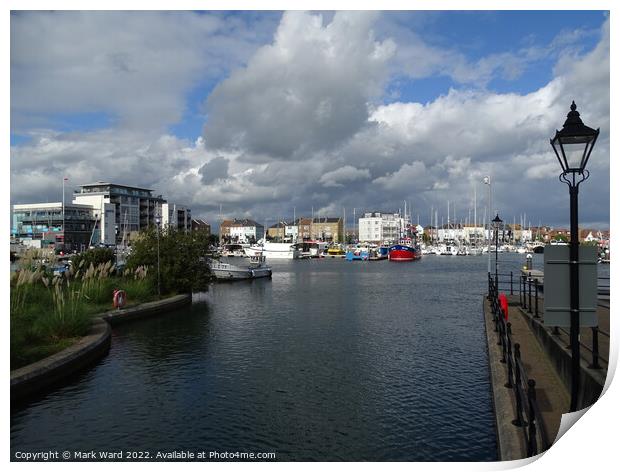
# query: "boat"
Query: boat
{"points": [[335, 251], [377, 254], [475, 251], [274, 250], [462, 251], [358, 254], [233, 250], [255, 269], [403, 252], [449, 250], [310, 249]]}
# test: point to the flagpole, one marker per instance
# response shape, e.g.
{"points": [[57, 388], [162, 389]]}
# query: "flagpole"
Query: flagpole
{"points": [[63, 214]]}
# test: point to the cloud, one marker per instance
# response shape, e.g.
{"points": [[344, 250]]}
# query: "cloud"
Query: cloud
{"points": [[135, 66], [338, 177], [306, 91], [300, 122], [214, 169]]}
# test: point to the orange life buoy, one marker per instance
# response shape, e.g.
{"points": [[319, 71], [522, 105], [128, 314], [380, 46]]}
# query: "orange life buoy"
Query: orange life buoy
{"points": [[119, 299]]}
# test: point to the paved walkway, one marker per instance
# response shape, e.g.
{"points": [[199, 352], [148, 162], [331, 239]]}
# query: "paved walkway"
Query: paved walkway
{"points": [[553, 398], [586, 334]]}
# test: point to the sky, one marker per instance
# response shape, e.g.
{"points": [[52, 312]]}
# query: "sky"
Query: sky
{"points": [[266, 114]]}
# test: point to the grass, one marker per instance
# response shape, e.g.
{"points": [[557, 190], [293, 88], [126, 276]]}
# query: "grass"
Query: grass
{"points": [[49, 313]]}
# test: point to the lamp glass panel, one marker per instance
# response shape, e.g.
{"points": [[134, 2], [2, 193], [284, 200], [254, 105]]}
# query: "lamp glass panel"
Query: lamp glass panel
{"points": [[574, 149]]}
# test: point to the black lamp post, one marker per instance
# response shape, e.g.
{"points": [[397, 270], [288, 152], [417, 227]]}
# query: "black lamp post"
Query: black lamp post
{"points": [[573, 146], [157, 222], [497, 221]]}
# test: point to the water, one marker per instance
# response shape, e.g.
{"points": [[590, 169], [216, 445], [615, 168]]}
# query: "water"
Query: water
{"points": [[329, 360]]}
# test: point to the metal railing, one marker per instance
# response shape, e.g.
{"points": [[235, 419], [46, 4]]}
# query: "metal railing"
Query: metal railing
{"points": [[531, 302], [528, 416], [505, 281]]}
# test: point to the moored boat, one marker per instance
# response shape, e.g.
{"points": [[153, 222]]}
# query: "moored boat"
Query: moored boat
{"points": [[404, 252], [275, 250], [357, 254], [334, 251], [255, 269]]}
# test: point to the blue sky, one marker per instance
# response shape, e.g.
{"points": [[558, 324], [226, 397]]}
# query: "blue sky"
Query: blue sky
{"points": [[323, 110]]}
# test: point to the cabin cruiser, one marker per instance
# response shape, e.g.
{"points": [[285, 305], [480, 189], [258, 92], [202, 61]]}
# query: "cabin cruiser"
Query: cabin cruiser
{"points": [[274, 250], [253, 269]]}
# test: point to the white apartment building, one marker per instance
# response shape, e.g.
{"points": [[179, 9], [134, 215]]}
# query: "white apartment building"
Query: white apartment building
{"points": [[245, 231], [123, 209], [381, 227]]}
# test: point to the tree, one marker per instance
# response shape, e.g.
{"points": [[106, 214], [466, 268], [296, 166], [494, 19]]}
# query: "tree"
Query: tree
{"points": [[182, 267]]}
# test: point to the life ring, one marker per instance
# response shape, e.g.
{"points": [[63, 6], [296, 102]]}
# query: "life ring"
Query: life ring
{"points": [[119, 298]]}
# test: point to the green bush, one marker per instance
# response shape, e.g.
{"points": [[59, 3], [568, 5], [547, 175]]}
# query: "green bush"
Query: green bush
{"points": [[96, 256], [181, 265]]}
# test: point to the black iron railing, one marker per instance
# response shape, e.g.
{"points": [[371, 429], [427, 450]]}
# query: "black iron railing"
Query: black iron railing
{"points": [[505, 281], [530, 290], [528, 416]]}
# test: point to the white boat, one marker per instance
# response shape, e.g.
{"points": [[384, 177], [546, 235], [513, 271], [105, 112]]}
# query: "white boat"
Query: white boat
{"points": [[233, 250], [475, 251], [255, 269], [274, 250], [462, 251], [311, 248], [449, 250]]}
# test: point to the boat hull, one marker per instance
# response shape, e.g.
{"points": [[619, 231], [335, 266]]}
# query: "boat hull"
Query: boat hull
{"points": [[402, 253], [224, 271]]}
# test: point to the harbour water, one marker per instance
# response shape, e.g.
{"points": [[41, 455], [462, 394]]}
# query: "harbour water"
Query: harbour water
{"points": [[329, 360]]}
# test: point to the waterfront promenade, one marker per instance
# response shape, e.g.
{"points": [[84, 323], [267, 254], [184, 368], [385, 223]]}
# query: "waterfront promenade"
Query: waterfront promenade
{"points": [[544, 355]]}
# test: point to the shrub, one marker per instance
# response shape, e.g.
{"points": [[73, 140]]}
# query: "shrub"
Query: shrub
{"points": [[181, 264], [94, 257]]}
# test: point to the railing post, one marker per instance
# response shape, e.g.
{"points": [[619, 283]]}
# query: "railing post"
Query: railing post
{"points": [[520, 293], [510, 358], [535, 298], [511, 290], [489, 283], [529, 295], [504, 347], [518, 387], [531, 399], [524, 306], [595, 364]]}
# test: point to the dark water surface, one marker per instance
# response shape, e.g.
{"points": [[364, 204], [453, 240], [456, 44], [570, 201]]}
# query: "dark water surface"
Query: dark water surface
{"points": [[329, 360]]}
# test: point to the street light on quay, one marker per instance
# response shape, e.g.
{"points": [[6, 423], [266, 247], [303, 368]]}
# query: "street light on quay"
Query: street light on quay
{"points": [[497, 221], [157, 222], [573, 146]]}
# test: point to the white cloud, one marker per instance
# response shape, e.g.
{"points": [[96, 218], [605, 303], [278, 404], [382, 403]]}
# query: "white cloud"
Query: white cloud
{"points": [[300, 125], [305, 92], [343, 175]]}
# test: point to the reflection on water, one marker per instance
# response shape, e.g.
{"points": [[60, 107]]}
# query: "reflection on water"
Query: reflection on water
{"points": [[329, 360]]}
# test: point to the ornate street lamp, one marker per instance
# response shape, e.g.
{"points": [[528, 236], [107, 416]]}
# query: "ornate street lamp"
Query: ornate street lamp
{"points": [[573, 146], [158, 222], [497, 221]]}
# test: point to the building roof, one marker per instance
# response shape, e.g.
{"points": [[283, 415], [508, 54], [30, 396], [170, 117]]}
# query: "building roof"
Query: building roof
{"points": [[326, 220], [97, 184], [238, 222], [280, 224]]}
